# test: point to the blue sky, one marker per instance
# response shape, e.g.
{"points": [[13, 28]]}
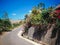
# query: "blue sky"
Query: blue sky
{"points": [[17, 9]]}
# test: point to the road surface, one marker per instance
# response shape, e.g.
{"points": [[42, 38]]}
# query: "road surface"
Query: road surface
{"points": [[12, 38]]}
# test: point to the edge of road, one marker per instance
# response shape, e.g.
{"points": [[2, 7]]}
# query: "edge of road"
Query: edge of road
{"points": [[5, 33], [19, 35]]}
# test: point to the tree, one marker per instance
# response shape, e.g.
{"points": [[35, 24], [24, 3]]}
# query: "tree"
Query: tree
{"points": [[1, 26], [36, 19], [45, 16], [41, 6], [5, 16], [50, 9], [6, 22], [26, 16]]}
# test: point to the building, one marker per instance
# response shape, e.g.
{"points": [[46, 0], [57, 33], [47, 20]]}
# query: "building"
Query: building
{"points": [[57, 11]]}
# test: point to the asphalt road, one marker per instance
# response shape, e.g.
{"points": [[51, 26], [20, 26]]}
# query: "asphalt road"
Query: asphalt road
{"points": [[12, 38]]}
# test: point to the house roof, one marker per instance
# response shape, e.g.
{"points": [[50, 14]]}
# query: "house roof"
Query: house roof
{"points": [[57, 7], [57, 11]]}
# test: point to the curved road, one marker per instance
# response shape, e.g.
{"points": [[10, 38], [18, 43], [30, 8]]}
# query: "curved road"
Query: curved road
{"points": [[12, 38]]}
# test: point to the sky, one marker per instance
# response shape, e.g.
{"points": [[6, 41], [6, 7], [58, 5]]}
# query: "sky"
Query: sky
{"points": [[17, 9]]}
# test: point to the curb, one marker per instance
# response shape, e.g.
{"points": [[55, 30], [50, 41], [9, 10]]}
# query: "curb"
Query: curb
{"points": [[19, 35]]}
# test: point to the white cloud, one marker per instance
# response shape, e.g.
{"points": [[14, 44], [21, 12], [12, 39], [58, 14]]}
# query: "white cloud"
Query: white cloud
{"points": [[14, 14], [30, 11]]}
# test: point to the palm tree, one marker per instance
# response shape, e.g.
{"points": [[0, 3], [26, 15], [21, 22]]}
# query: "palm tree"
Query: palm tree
{"points": [[26, 16], [41, 6], [6, 21]]}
